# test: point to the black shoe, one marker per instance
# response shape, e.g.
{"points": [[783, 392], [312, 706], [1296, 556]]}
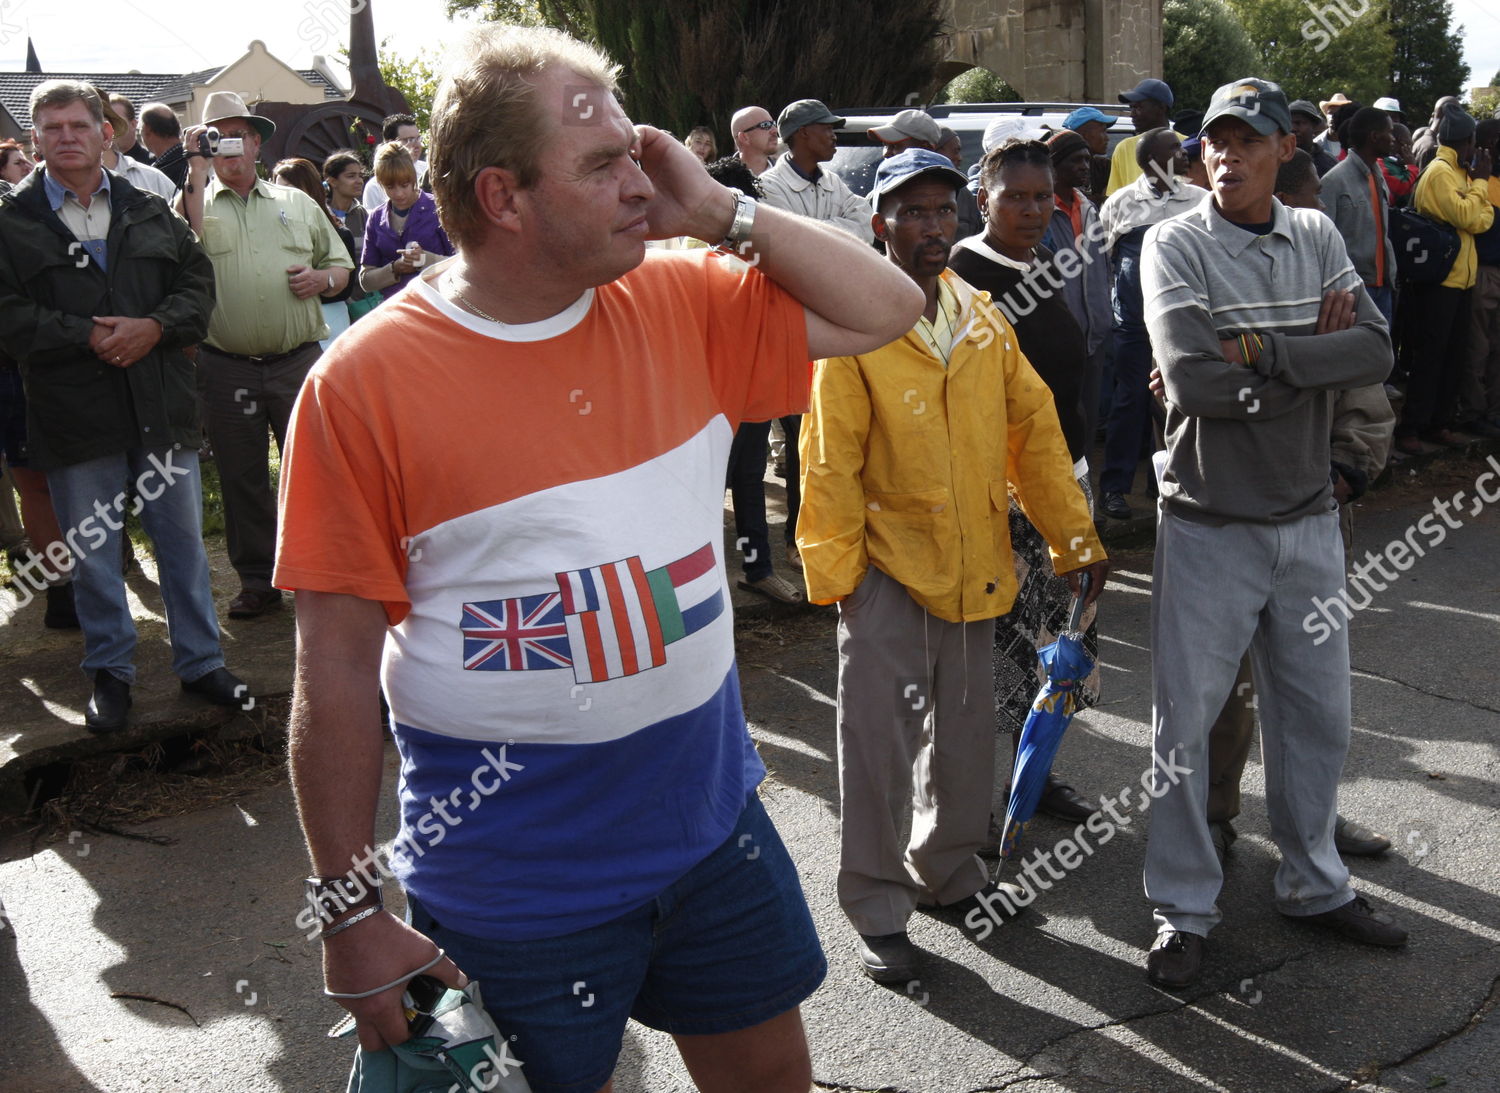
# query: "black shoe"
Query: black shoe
{"points": [[1175, 959], [1358, 841], [1116, 507], [993, 837], [109, 704], [254, 601], [61, 614], [888, 958], [222, 688], [1358, 921], [1223, 835], [1063, 802]]}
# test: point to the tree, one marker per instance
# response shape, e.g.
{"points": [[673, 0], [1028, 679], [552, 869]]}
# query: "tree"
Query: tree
{"points": [[416, 78], [1204, 45], [1314, 50], [694, 62], [978, 85], [1429, 56]]}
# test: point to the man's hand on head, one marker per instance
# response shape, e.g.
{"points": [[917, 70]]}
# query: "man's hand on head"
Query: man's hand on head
{"points": [[128, 339], [688, 201]]}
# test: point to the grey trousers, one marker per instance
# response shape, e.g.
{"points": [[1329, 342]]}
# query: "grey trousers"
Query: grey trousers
{"points": [[240, 401], [1217, 591], [916, 717]]}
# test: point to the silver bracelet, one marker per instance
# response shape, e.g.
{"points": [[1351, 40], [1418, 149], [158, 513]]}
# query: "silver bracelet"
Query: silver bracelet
{"points": [[324, 935], [394, 983]]}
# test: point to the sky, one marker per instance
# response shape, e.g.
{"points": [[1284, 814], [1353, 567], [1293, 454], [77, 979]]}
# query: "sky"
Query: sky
{"points": [[177, 36]]}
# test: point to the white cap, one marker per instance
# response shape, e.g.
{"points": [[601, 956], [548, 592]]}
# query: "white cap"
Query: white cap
{"points": [[1388, 104], [1002, 129]]}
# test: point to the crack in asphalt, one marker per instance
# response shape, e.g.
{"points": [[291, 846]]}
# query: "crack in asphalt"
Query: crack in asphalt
{"points": [[1474, 1019], [1424, 690]]}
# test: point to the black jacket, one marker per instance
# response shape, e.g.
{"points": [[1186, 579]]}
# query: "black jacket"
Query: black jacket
{"points": [[1049, 335], [78, 407]]}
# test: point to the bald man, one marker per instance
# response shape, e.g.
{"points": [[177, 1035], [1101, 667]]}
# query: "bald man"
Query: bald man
{"points": [[754, 137]]}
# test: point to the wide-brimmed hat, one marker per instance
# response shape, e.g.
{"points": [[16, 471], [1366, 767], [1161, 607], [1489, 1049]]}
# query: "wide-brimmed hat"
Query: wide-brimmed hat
{"points": [[111, 115], [224, 105], [1328, 106]]}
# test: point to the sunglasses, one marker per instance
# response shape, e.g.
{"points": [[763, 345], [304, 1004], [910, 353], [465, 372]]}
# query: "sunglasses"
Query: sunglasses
{"points": [[768, 124]]}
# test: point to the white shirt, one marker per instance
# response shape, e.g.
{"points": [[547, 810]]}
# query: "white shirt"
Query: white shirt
{"points": [[145, 177], [827, 199]]}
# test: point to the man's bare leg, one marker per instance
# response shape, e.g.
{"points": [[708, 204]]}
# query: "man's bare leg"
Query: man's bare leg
{"points": [[770, 1057]]}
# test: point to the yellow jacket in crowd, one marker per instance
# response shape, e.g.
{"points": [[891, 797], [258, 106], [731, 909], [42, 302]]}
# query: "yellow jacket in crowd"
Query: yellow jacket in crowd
{"points": [[1446, 192], [907, 465]]}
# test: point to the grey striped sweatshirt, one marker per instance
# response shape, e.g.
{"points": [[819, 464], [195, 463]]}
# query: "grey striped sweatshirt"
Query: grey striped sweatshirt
{"points": [[1250, 442]]}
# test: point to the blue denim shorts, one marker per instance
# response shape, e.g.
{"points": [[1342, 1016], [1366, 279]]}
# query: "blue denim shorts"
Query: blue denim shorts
{"points": [[728, 946]]}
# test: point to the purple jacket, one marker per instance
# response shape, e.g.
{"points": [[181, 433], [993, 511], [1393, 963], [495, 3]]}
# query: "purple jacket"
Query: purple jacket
{"points": [[382, 244]]}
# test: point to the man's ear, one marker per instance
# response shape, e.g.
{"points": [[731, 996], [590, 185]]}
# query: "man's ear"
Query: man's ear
{"points": [[880, 227], [496, 191], [1288, 148]]}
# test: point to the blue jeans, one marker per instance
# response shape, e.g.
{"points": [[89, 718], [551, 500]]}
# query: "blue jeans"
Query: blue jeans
{"points": [[1384, 299], [90, 500]]}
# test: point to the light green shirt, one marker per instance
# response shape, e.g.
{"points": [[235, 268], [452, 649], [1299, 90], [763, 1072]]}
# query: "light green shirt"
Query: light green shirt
{"points": [[251, 242]]}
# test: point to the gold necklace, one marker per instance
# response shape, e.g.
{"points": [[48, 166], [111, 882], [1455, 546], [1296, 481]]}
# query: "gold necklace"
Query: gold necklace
{"points": [[470, 305]]}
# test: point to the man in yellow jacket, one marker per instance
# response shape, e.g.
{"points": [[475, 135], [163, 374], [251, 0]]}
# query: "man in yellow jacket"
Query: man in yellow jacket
{"points": [[1452, 188], [909, 454]]}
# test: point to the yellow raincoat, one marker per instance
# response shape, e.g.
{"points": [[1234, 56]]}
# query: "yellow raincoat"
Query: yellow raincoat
{"points": [[1446, 192], [908, 465]]}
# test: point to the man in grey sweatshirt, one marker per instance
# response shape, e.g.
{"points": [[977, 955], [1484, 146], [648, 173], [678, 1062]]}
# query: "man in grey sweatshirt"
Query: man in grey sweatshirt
{"points": [[1257, 318]]}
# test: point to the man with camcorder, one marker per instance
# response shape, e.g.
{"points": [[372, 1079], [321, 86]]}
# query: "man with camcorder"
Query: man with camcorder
{"points": [[275, 254]]}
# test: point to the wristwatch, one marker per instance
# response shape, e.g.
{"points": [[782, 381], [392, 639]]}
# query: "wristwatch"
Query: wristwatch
{"points": [[743, 222], [332, 896]]}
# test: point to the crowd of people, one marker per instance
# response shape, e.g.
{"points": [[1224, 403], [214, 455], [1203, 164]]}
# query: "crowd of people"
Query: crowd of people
{"points": [[542, 609]]}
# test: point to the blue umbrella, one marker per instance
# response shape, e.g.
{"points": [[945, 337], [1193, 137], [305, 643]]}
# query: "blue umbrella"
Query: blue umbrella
{"points": [[1067, 666]]}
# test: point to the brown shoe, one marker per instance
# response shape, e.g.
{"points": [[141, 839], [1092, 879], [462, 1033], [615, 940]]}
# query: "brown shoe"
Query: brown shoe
{"points": [[1447, 438], [254, 601], [1410, 445]]}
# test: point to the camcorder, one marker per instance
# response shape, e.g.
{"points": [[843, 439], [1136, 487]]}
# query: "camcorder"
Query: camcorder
{"points": [[210, 144]]}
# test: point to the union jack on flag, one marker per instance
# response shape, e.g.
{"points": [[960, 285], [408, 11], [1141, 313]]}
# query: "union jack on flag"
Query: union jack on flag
{"points": [[507, 635]]}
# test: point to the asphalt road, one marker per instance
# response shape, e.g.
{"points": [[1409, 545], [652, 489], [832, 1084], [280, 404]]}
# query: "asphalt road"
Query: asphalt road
{"points": [[1054, 1001]]}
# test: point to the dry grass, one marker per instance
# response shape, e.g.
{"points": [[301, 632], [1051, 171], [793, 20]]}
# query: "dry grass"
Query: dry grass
{"points": [[165, 780]]}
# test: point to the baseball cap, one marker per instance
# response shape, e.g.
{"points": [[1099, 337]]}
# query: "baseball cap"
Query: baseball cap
{"points": [[805, 112], [1307, 110], [1260, 103], [896, 171], [1003, 129], [1148, 89], [1085, 114], [908, 125]]}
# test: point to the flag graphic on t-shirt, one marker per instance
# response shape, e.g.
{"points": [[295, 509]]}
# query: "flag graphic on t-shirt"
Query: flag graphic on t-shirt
{"points": [[605, 622], [528, 632]]}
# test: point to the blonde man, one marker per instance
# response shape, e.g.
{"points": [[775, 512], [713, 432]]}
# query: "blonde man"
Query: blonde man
{"points": [[525, 451]]}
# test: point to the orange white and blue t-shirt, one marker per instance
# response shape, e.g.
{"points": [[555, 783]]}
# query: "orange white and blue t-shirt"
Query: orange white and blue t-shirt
{"points": [[540, 510]]}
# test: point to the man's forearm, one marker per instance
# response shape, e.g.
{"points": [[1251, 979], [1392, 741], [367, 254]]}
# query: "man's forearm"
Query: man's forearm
{"points": [[336, 749], [834, 275]]}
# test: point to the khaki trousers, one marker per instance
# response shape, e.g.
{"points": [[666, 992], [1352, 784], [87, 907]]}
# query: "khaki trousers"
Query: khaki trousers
{"points": [[916, 722]]}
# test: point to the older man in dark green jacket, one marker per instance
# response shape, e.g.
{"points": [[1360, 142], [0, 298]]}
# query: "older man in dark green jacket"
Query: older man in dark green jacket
{"points": [[102, 288]]}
